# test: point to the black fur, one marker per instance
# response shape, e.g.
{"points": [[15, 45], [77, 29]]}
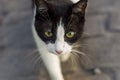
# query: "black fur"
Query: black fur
{"points": [[49, 12]]}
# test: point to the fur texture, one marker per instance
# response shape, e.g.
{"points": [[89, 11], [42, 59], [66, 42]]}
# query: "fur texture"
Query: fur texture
{"points": [[57, 25]]}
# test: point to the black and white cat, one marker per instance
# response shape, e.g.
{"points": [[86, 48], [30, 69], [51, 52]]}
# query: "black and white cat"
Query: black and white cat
{"points": [[58, 25]]}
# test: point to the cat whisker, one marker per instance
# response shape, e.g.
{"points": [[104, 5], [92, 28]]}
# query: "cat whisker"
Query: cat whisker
{"points": [[38, 59], [75, 59], [81, 53], [84, 58], [32, 53], [76, 46], [79, 45], [73, 62], [32, 58], [71, 58], [85, 33], [35, 57], [84, 44]]}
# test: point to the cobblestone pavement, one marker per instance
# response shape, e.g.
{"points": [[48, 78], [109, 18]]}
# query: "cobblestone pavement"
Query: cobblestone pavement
{"points": [[18, 52]]}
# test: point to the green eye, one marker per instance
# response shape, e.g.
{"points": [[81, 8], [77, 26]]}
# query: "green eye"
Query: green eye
{"points": [[48, 34], [70, 34]]}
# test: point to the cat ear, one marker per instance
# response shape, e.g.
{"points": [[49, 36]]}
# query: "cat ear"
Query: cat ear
{"points": [[80, 7], [40, 4]]}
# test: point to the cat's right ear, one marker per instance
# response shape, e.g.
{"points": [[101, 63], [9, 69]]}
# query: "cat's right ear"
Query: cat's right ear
{"points": [[80, 7], [40, 5]]}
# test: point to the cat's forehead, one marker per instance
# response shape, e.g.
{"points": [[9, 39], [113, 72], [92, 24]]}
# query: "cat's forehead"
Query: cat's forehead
{"points": [[59, 8]]}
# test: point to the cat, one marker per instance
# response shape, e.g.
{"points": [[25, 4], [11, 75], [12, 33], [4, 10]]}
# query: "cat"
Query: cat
{"points": [[57, 26]]}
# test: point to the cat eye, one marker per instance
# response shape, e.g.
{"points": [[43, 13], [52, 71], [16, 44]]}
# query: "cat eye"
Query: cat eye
{"points": [[70, 34], [48, 34]]}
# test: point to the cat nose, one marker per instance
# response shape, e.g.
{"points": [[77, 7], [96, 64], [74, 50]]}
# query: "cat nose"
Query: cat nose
{"points": [[58, 51]]}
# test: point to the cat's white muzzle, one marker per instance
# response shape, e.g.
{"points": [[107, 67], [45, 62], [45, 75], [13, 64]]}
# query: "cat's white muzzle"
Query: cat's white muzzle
{"points": [[59, 48]]}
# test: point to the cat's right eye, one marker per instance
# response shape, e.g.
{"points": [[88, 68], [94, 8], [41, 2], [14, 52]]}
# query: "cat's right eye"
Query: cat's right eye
{"points": [[48, 34], [70, 34]]}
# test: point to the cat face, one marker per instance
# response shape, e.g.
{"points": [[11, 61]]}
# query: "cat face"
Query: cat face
{"points": [[59, 23]]}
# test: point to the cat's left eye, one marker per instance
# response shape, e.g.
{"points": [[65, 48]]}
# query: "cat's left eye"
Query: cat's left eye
{"points": [[48, 34], [70, 34]]}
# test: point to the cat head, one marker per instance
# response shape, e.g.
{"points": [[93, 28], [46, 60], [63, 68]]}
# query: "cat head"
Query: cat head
{"points": [[59, 23]]}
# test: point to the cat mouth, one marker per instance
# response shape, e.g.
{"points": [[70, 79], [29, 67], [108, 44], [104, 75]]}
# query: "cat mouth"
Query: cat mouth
{"points": [[58, 53]]}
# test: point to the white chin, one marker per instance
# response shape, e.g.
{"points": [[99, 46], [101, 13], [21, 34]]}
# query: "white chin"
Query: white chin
{"points": [[64, 57]]}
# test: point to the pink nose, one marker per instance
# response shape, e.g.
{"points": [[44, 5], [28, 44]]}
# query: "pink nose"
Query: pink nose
{"points": [[59, 52]]}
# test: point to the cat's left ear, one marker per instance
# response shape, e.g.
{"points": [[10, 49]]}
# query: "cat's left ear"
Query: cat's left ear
{"points": [[80, 7], [40, 4]]}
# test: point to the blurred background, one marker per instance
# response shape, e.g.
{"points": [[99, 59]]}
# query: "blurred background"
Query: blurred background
{"points": [[19, 59]]}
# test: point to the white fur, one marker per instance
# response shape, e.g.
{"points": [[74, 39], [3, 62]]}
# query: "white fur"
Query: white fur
{"points": [[50, 60], [75, 1], [48, 54], [60, 44]]}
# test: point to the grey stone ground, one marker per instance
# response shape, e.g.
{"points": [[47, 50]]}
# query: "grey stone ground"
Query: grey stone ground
{"points": [[101, 36]]}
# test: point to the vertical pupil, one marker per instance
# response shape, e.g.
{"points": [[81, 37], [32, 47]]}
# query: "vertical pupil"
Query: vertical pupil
{"points": [[70, 34], [49, 33]]}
